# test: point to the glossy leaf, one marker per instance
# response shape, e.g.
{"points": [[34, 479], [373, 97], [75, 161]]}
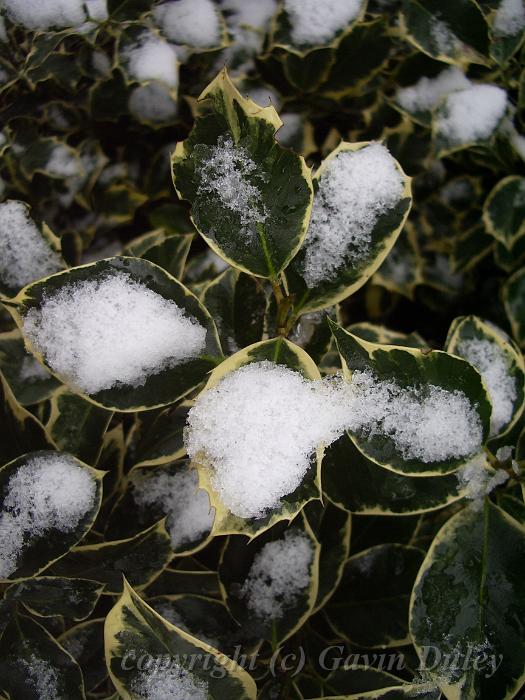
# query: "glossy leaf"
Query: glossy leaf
{"points": [[262, 235], [158, 389], [468, 601], [411, 367], [349, 277], [514, 300], [49, 596], [48, 544], [504, 210], [281, 352], [133, 628]]}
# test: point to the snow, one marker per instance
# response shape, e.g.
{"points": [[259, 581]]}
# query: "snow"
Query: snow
{"points": [[315, 22], [426, 93], [191, 22], [510, 18], [152, 58], [31, 370], [41, 677], [43, 14], [355, 189], [168, 610], [279, 576], [478, 481], [25, 255], [97, 10], [250, 13], [173, 682], [188, 511], [472, 114], [230, 176], [101, 63], [285, 416], [152, 103], [62, 162], [446, 41], [494, 366], [111, 331], [46, 493], [424, 422]]}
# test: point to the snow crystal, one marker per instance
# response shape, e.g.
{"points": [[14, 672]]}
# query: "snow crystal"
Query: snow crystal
{"points": [[316, 22], [230, 175], [152, 103], [424, 422], [62, 162], [152, 58], [355, 189], [42, 14], [426, 93], [285, 416], [101, 333], [42, 677], [31, 370], [173, 682], [477, 480], [50, 492], [493, 365], [279, 575], [188, 511], [510, 18], [25, 256], [472, 114], [192, 22]]}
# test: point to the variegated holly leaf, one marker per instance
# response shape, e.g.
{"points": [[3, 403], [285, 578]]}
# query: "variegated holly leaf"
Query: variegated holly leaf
{"points": [[504, 210], [251, 198]]}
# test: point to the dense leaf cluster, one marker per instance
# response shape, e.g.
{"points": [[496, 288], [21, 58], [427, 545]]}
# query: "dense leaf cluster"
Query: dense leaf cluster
{"points": [[417, 562]]}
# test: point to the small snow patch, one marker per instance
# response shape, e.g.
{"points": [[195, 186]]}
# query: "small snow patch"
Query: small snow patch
{"points": [[152, 58], [510, 18], [25, 256], [279, 576], [174, 683], [62, 162], [191, 22], [355, 189], [231, 177], [478, 481], [41, 677], [472, 114], [111, 331], [188, 511], [426, 93], [152, 103], [316, 22], [43, 14], [46, 493], [493, 365]]}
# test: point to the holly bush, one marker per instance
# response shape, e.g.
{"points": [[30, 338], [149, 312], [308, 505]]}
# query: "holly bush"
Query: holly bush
{"points": [[262, 285]]}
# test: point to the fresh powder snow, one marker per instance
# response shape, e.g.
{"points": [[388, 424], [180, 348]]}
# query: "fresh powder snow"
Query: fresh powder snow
{"points": [[25, 256], [425, 422], [472, 114], [494, 366], [257, 430], [42, 677], [279, 576], [231, 177], [446, 41], [316, 22], [192, 22], [478, 481], [152, 58], [286, 416], [48, 492], [173, 682], [62, 162], [112, 331], [355, 189], [250, 13], [31, 370], [426, 93], [43, 14], [510, 18], [187, 507], [152, 103]]}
